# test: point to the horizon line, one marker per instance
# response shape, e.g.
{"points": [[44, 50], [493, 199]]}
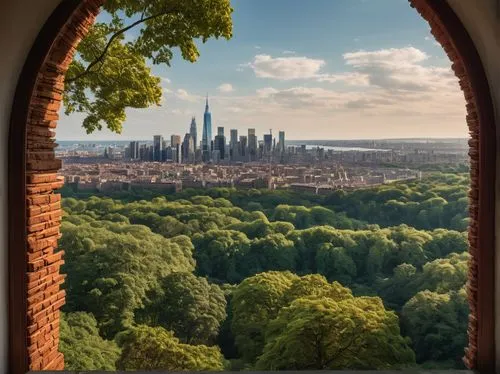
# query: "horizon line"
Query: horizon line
{"points": [[315, 140]]}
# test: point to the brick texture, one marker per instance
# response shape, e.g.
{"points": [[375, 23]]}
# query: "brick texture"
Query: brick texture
{"points": [[442, 36], [44, 294]]}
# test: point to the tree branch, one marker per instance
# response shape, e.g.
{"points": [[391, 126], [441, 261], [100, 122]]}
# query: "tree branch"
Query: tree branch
{"points": [[343, 349], [101, 57]]}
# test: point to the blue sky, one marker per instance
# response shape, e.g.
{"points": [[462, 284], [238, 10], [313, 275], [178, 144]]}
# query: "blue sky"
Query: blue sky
{"points": [[331, 69]]}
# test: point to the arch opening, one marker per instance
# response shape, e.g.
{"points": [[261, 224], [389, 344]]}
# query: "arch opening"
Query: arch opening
{"points": [[35, 210]]}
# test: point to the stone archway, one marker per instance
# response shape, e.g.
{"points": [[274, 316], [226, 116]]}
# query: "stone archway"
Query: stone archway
{"points": [[35, 210]]}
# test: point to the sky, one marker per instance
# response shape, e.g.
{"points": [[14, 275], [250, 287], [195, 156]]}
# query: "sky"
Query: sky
{"points": [[317, 69]]}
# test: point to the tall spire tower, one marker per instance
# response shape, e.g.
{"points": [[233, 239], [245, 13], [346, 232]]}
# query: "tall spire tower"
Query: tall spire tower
{"points": [[206, 140]]}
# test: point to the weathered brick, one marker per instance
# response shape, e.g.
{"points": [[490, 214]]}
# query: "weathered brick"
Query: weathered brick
{"points": [[45, 217], [32, 178]]}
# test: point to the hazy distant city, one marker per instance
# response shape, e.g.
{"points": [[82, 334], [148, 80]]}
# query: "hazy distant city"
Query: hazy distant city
{"points": [[247, 161]]}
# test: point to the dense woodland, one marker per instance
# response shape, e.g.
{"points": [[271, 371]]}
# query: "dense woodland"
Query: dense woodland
{"points": [[227, 279]]}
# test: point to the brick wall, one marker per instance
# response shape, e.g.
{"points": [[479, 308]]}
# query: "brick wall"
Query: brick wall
{"points": [[44, 294], [442, 36]]}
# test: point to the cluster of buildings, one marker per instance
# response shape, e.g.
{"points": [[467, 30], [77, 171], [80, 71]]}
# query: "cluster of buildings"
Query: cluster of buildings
{"points": [[187, 149], [244, 161], [173, 177]]}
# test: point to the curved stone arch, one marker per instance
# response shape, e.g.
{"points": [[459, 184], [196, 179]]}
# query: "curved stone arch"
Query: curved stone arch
{"points": [[35, 209], [467, 65]]}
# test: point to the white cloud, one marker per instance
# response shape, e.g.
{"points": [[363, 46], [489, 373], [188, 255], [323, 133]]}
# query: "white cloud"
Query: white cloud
{"points": [[289, 52], [180, 112], [294, 68], [285, 68], [400, 69], [390, 56], [266, 92], [315, 101], [352, 79], [396, 83], [182, 94], [386, 92], [166, 80], [225, 88], [257, 47]]}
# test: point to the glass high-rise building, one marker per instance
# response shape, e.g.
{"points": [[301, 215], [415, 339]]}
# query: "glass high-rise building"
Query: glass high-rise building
{"points": [[268, 143], [176, 144], [206, 140], [234, 136], [233, 144], [282, 141], [188, 149], [157, 148], [193, 130], [220, 143], [252, 145], [243, 147], [134, 150]]}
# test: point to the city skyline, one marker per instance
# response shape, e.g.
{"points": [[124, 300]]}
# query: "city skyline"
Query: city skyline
{"points": [[245, 148], [342, 72]]}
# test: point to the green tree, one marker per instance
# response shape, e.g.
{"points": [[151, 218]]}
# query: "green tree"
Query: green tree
{"points": [[321, 334], [335, 263], [110, 72], [272, 252], [445, 242], [437, 325], [82, 346], [111, 268], [255, 302], [217, 253], [315, 286], [398, 289], [154, 348], [189, 306], [446, 274]]}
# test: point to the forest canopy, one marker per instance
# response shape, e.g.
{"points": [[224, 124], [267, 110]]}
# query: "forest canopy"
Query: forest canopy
{"points": [[228, 282]]}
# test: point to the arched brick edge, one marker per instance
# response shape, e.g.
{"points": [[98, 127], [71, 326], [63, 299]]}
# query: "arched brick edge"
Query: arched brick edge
{"points": [[467, 65], [35, 294], [35, 211]]}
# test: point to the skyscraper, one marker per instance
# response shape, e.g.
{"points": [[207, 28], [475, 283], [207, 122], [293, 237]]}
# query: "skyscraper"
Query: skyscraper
{"points": [[134, 150], [175, 140], [175, 144], [206, 139], [243, 147], [233, 145], [220, 143], [234, 136], [193, 130], [157, 148], [268, 143], [281, 142], [252, 145], [188, 149]]}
